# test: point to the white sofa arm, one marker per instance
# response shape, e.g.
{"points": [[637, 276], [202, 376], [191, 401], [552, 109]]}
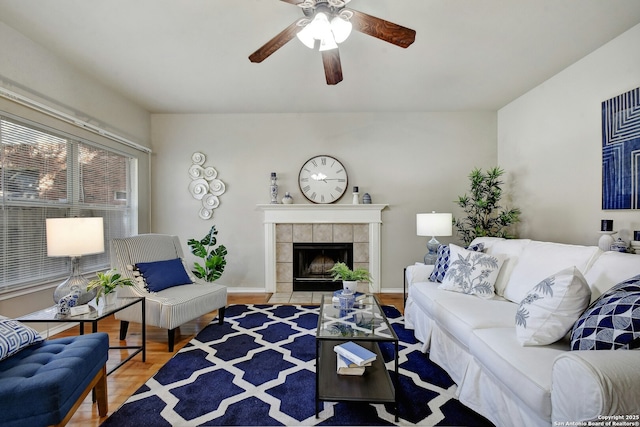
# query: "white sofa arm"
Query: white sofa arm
{"points": [[593, 384], [418, 273]]}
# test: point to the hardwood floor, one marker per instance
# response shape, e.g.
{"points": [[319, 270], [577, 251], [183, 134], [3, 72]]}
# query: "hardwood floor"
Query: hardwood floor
{"points": [[128, 378]]}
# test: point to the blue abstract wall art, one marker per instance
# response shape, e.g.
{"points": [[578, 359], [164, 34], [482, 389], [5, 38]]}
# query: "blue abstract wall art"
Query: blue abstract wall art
{"points": [[621, 151]]}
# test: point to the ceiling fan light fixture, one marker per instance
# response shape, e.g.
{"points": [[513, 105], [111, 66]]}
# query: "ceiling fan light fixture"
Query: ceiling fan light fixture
{"points": [[328, 43], [341, 28], [306, 37]]}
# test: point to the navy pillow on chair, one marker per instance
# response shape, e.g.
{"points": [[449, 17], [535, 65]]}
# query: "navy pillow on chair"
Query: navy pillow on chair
{"points": [[159, 275]]}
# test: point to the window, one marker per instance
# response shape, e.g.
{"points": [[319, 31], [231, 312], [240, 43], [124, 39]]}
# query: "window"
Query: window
{"points": [[47, 174]]}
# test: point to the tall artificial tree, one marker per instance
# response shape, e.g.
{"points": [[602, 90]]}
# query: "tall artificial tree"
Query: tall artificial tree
{"points": [[484, 215]]}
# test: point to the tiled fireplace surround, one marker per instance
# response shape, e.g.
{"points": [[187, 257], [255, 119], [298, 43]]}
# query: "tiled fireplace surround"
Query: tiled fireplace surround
{"points": [[288, 224]]}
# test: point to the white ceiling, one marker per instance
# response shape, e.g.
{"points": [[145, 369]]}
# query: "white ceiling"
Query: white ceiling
{"points": [[190, 56]]}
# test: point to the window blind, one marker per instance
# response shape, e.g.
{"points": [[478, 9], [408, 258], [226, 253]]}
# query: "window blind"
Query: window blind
{"points": [[48, 175]]}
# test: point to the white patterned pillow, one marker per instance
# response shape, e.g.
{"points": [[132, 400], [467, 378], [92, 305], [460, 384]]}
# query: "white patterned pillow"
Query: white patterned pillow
{"points": [[442, 261], [14, 336], [471, 272], [549, 310]]}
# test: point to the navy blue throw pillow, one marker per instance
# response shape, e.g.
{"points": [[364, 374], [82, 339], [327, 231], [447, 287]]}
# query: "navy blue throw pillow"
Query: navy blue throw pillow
{"points": [[612, 321], [159, 275]]}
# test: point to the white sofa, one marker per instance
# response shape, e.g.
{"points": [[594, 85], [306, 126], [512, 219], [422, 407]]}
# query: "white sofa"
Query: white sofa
{"points": [[474, 340]]}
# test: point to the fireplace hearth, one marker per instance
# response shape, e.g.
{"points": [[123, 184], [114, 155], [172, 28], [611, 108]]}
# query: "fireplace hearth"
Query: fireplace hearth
{"points": [[312, 262]]}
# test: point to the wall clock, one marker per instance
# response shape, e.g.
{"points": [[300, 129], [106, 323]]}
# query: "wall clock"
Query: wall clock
{"points": [[323, 179]]}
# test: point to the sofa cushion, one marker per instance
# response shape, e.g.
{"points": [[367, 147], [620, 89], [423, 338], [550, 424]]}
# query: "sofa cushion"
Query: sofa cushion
{"points": [[549, 310], [609, 269], [471, 272], [511, 249], [461, 314], [612, 321], [524, 371], [41, 383], [442, 261], [160, 275], [14, 336], [542, 259]]}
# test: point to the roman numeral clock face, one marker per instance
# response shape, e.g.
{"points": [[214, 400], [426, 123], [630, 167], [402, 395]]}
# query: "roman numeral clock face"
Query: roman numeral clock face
{"points": [[323, 179]]}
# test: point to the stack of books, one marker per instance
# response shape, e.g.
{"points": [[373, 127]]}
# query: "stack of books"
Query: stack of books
{"points": [[352, 359]]}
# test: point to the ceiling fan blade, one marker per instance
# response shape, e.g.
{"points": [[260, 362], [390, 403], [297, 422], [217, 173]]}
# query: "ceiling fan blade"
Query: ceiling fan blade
{"points": [[276, 43], [383, 30], [332, 66]]}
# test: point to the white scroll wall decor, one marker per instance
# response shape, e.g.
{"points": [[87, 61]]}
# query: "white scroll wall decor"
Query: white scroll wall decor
{"points": [[205, 185]]}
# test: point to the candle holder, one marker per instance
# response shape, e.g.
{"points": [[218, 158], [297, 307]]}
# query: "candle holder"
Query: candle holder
{"points": [[356, 197]]}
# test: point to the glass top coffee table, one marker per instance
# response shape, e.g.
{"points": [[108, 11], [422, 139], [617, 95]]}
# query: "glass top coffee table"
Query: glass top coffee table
{"points": [[368, 326]]}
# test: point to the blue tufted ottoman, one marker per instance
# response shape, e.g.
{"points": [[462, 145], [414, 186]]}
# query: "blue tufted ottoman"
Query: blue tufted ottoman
{"points": [[45, 383]]}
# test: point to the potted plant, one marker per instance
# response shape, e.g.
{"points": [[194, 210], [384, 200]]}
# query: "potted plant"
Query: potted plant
{"points": [[214, 258], [106, 283], [350, 278], [485, 216]]}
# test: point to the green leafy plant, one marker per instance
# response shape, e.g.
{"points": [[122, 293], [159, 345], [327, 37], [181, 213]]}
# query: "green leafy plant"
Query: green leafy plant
{"points": [[214, 258], [340, 271], [107, 282], [485, 216]]}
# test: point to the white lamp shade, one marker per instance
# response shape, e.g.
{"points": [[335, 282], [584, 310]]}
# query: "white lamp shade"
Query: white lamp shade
{"points": [[434, 224], [74, 236]]}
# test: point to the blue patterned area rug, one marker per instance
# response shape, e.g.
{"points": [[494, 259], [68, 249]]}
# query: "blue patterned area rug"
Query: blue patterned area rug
{"points": [[258, 368]]}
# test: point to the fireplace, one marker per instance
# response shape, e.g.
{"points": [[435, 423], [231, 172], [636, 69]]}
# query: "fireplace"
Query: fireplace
{"points": [[312, 261], [285, 225]]}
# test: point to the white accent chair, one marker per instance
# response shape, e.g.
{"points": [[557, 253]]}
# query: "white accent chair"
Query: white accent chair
{"points": [[170, 307]]}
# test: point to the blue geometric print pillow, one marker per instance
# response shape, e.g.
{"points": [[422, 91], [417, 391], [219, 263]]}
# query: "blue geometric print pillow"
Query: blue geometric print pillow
{"points": [[14, 336], [612, 321], [442, 261]]}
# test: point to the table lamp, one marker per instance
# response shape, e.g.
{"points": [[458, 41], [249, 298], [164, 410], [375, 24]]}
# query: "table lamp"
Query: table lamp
{"points": [[74, 237], [433, 224]]}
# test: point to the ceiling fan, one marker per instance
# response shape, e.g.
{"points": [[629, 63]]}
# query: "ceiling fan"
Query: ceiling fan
{"points": [[327, 23]]}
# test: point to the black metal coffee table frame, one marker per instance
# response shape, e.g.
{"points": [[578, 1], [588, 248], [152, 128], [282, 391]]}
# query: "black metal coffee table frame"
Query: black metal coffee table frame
{"points": [[367, 326], [97, 313]]}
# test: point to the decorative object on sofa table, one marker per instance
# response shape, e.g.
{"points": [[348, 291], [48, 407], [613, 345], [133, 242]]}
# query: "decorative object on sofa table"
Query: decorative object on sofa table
{"points": [[433, 224], [606, 240], [213, 258], [273, 189], [366, 199], [635, 243], [106, 284], [205, 186], [606, 225], [74, 237], [356, 196], [485, 217], [68, 301], [287, 199], [619, 246], [349, 277]]}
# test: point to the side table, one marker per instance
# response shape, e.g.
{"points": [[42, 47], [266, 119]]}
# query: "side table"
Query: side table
{"points": [[96, 313]]}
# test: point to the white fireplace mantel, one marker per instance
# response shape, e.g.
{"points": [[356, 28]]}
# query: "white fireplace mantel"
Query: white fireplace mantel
{"points": [[321, 214]]}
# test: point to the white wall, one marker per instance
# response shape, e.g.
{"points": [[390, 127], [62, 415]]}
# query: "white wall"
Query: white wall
{"points": [[415, 162], [550, 142], [29, 69]]}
